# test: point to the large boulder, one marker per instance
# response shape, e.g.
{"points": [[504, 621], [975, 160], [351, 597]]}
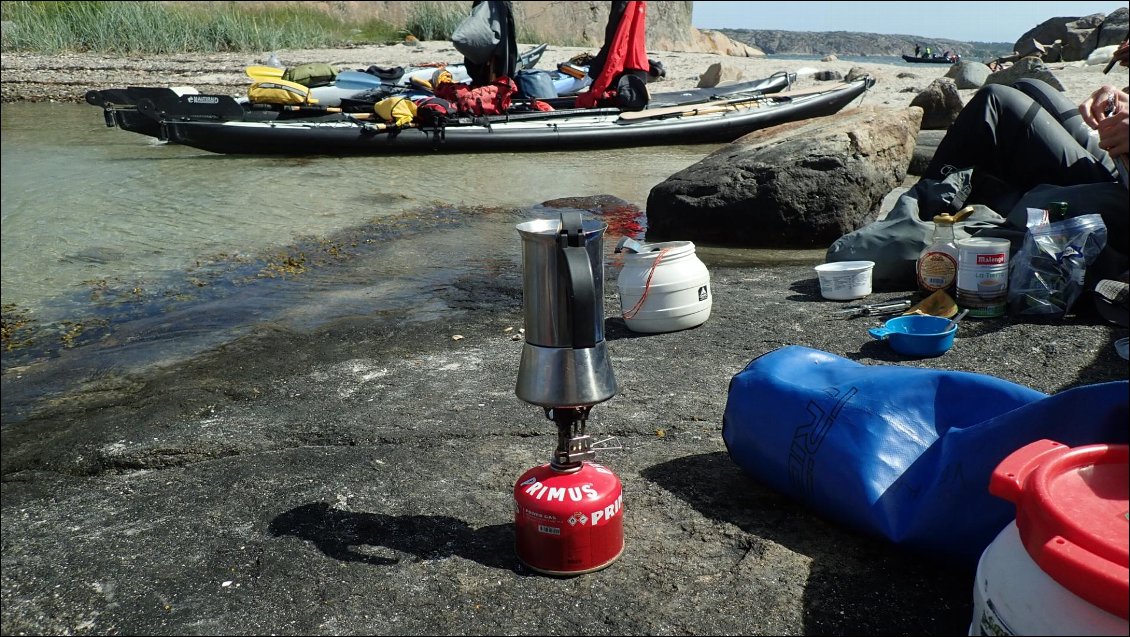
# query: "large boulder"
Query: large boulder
{"points": [[1114, 28], [719, 73], [1078, 36], [708, 41], [856, 73], [940, 103], [968, 75], [797, 185]]}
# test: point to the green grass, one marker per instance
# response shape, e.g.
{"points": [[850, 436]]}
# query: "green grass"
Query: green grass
{"points": [[139, 28], [432, 22], [152, 28]]}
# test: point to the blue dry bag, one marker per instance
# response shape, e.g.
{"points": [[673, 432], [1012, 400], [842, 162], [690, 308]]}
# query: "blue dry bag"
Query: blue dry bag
{"points": [[901, 452]]}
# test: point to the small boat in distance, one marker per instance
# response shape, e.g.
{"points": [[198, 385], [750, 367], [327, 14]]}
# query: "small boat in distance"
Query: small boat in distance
{"points": [[934, 59]]}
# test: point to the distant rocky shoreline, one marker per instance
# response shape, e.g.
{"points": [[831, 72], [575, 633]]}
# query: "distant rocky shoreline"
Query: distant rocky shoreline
{"points": [[1078, 37], [841, 43]]}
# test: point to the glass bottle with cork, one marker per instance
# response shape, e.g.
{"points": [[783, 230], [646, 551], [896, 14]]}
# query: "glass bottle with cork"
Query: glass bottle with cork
{"points": [[936, 268]]}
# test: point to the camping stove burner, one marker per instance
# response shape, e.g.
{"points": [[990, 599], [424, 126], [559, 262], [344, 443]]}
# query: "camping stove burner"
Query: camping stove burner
{"points": [[573, 445]]}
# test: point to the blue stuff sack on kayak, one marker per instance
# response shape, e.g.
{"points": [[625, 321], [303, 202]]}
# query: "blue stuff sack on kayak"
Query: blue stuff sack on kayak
{"points": [[897, 452], [534, 84]]}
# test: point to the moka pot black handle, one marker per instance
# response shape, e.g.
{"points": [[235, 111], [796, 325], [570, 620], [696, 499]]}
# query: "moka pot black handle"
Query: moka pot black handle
{"points": [[580, 285]]}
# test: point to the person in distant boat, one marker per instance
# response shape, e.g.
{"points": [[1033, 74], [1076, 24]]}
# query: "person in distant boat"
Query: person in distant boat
{"points": [[928, 53], [948, 54], [1026, 136], [917, 50]]}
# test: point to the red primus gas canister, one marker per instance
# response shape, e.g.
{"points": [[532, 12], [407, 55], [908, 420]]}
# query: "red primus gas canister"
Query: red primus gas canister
{"points": [[569, 523]]}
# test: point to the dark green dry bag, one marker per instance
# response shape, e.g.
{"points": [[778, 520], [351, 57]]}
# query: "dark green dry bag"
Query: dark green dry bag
{"points": [[311, 75]]}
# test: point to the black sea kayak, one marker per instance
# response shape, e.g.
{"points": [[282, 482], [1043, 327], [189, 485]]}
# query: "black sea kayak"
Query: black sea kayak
{"points": [[120, 104], [702, 122]]}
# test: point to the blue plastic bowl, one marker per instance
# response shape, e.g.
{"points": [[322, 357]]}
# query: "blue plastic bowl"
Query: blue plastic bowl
{"points": [[917, 335]]}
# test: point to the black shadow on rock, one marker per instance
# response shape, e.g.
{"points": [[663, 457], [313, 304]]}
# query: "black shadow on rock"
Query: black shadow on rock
{"points": [[615, 329], [857, 585], [806, 290], [337, 534]]}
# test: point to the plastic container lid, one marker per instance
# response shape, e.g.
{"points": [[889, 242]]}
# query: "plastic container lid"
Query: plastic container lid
{"points": [[1072, 514]]}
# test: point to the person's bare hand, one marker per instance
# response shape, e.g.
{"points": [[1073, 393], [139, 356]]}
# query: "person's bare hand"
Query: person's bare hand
{"points": [[1100, 104], [1114, 127]]}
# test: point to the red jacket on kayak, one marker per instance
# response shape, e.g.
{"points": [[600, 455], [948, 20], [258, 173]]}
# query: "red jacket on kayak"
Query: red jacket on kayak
{"points": [[626, 52]]}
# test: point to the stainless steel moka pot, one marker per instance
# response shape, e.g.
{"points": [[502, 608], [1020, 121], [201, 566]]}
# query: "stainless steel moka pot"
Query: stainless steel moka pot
{"points": [[568, 514], [565, 358]]}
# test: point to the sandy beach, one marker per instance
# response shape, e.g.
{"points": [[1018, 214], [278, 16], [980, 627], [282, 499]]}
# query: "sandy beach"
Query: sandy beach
{"points": [[31, 77]]}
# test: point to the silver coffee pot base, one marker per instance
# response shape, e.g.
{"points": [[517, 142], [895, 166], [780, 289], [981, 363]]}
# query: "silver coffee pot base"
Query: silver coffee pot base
{"points": [[564, 376]]}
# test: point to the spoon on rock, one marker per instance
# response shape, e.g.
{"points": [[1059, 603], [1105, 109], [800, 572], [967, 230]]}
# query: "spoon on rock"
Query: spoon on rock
{"points": [[953, 322]]}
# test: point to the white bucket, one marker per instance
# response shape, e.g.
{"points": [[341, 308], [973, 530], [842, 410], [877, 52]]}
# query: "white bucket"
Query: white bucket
{"points": [[1014, 596], [845, 280], [982, 276], [664, 288], [1063, 568]]}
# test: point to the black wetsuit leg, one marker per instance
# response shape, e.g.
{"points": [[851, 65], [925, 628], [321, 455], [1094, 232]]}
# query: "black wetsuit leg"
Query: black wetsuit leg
{"points": [[1067, 114], [1017, 139]]}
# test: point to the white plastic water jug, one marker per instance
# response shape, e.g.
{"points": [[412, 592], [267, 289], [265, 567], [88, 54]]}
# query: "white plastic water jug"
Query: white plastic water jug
{"points": [[1014, 596], [664, 287], [1061, 568]]}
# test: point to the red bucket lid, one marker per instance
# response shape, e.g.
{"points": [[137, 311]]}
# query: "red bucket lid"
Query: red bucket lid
{"points": [[1072, 514]]}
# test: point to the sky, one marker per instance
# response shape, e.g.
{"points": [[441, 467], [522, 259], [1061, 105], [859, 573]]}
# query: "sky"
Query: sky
{"points": [[998, 21]]}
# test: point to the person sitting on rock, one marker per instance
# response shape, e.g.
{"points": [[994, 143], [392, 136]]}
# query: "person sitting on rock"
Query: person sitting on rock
{"points": [[1028, 136]]}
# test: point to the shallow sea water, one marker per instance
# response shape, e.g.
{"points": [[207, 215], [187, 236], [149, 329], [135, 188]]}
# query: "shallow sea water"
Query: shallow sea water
{"points": [[120, 252]]}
